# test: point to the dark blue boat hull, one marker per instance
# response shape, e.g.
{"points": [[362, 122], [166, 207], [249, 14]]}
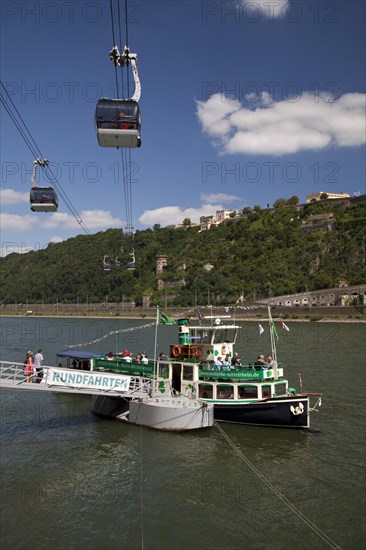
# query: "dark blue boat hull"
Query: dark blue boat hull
{"points": [[289, 412]]}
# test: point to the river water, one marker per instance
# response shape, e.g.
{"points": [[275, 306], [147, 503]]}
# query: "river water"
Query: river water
{"points": [[72, 480]]}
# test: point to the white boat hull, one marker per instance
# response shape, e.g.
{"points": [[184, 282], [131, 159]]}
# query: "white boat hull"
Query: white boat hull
{"points": [[170, 413]]}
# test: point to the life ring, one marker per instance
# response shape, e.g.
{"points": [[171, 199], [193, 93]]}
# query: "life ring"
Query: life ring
{"points": [[297, 410], [176, 351]]}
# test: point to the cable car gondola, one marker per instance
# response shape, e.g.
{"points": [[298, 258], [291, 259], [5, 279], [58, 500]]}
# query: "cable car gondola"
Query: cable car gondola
{"points": [[106, 264], [131, 263], [118, 121], [42, 199]]}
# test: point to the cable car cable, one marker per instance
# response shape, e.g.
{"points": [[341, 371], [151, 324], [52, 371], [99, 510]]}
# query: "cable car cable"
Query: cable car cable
{"points": [[36, 152], [114, 42]]}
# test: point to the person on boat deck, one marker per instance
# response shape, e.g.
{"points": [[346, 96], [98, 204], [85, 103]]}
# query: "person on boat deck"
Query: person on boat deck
{"points": [[218, 363], [126, 353], [144, 359], [226, 363], [235, 361], [110, 356], [260, 362], [269, 364], [162, 356]]}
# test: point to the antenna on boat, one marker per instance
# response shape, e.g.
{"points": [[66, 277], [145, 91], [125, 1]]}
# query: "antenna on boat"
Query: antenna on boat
{"points": [[273, 335]]}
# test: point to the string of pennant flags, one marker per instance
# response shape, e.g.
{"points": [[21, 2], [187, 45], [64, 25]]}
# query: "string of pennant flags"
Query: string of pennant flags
{"points": [[283, 326], [111, 333], [164, 319]]}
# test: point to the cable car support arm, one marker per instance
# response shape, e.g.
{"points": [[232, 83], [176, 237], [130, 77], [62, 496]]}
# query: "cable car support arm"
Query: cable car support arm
{"points": [[38, 162], [123, 59]]}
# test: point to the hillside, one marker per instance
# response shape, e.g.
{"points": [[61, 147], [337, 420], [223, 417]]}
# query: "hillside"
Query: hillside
{"points": [[264, 252]]}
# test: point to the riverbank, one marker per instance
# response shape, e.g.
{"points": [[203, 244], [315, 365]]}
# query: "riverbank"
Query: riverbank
{"points": [[248, 313]]}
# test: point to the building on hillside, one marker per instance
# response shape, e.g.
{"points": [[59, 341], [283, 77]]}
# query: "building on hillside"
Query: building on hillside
{"points": [[161, 283], [221, 215], [314, 197], [161, 262]]}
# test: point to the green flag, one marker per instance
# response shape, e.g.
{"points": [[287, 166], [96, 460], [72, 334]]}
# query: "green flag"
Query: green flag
{"points": [[163, 319]]}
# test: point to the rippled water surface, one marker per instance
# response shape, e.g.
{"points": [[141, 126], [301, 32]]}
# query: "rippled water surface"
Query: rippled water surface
{"points": [[72, 480]]}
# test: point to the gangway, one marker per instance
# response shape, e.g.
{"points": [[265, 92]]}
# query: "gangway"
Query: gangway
{"points": [[64, 380]]}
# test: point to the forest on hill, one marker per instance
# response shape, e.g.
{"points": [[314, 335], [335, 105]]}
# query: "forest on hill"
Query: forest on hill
{"points": [[264, 252]]}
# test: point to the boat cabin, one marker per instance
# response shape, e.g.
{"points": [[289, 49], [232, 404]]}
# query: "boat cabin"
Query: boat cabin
{"points": [[118, 123]]}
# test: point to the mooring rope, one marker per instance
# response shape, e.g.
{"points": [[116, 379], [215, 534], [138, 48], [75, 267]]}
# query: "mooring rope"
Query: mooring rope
{"points": [[282, 497]]}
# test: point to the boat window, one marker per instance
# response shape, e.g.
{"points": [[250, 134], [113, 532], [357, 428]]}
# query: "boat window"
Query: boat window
{"points": [[164, 370], [266, 391], [244, 392], [225, 392], [200, 336], [225, 335], [187, 372], [205, 391], [280, 389]]}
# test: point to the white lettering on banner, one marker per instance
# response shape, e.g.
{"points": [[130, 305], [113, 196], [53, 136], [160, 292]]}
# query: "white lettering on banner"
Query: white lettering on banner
{"points": [[90, 380]]}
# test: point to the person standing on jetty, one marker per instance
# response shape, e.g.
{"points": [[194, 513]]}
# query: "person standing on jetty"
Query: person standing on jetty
{"points": [[38, 360], [28, 366]]}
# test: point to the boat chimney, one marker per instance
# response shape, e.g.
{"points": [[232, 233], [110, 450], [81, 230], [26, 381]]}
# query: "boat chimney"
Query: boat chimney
{"points": [[183, 329]]}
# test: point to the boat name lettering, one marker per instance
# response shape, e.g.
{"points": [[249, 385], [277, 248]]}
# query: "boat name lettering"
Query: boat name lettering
{"points": [[88, 379]]}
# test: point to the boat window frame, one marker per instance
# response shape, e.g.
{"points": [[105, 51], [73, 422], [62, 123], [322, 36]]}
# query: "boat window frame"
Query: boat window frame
{"points": [[279, 384], [166, 368], [255, 387], [209, 386], [225, 386], [267, 386], [184, 377]]}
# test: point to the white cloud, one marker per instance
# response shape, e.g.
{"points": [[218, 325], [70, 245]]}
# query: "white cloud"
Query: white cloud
{"points": [[93, 219], [284, 127], [266, 8], [56, 239], [9, 196], [18, 223], [219, 197], [168, 215]]}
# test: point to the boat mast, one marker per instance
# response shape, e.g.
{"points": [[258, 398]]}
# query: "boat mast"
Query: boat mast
{"points": [[155, 348], [273, 343]]}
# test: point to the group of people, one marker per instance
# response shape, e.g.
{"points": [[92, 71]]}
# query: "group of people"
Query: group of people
{"points": [[262, 363], [228, 364], [225, 363], [127, 356], [33, 369]]}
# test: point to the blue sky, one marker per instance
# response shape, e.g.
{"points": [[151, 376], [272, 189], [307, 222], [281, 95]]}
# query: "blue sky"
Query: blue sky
{"points": [[242, 103]]}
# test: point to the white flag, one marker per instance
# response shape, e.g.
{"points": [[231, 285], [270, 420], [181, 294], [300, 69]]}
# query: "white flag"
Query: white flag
{"points": [[261, 329]]}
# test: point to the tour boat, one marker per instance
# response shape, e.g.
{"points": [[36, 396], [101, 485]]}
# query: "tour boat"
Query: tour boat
{"points": [[251, 393]]}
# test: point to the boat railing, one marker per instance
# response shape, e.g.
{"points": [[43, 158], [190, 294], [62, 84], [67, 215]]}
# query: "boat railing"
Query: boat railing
{"points": [[12, 371], [121, 366], [212, 372]]}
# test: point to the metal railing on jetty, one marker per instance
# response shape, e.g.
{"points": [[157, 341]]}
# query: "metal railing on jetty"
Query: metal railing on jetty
{"points": [[73, 381]]}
